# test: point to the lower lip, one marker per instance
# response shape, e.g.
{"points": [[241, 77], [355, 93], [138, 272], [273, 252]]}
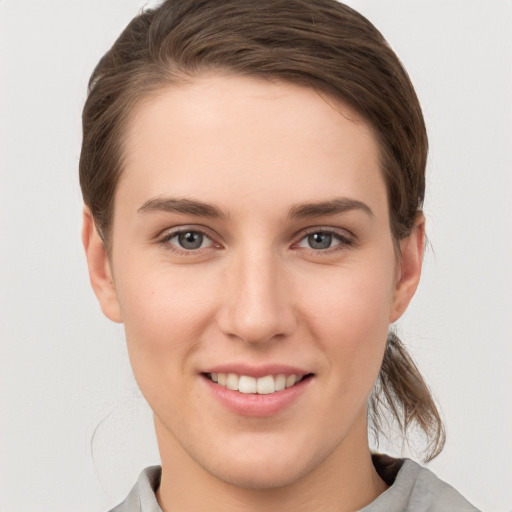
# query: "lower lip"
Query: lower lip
{"points": [[254, 405]]}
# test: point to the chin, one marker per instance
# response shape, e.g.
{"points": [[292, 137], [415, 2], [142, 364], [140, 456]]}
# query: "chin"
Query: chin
{"points": [[264, 476], [261, 466]]}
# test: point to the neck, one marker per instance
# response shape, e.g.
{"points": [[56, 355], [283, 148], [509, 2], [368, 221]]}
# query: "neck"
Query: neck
{"points": [[344, 481]]}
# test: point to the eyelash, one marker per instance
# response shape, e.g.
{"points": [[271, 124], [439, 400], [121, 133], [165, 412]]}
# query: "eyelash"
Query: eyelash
{"points": [[166, 241], [343, 241]]}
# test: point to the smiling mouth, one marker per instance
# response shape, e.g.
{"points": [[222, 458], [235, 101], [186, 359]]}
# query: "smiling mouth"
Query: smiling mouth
{"points": [[251, 385]]}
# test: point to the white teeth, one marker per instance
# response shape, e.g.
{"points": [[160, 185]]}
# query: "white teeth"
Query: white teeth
{"points": [[291, 380], [232, 381], [266, 385], [280, 382], [262, 386], [247, 384]]}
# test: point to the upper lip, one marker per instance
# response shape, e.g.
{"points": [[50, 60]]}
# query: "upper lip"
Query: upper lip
{"points": [[257, 371]]}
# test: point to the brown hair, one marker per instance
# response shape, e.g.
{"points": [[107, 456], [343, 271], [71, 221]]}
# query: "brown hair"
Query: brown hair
{"points": [[321, 44]]}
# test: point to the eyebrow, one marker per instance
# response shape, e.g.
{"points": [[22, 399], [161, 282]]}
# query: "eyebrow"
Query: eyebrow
{"points": [[298, 211], [332, 207], [178, 205]]}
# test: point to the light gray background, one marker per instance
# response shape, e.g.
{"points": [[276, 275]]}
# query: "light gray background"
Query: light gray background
{"points": [[74, 431]]}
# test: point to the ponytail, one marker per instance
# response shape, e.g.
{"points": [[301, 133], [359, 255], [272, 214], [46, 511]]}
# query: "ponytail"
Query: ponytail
{"points": [[401, 391]]}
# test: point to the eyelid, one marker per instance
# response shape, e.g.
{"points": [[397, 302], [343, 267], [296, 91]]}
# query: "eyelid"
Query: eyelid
{"points": [[344, 237], [168, 234]]}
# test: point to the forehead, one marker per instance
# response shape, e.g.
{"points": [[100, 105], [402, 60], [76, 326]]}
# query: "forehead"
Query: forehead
{"points": [[229, 136]]}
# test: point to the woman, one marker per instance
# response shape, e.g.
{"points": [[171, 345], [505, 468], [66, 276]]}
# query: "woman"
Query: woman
{"points": [[253, 175]]}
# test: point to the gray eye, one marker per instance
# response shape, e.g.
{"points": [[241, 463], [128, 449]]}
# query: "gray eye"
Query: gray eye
{"points": [[190, 240], [320, 240]]}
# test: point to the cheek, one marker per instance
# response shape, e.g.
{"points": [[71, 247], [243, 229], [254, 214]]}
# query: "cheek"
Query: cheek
{"points": [[164, 312], [352, 299], [350, 320], [164, 315]]}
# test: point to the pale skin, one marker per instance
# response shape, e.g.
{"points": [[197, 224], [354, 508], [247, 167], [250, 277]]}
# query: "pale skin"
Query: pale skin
{"points": [[293, 264]]}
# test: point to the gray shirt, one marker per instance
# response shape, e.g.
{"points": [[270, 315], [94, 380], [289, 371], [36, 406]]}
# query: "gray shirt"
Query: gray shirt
{"points": [[412, 489]]}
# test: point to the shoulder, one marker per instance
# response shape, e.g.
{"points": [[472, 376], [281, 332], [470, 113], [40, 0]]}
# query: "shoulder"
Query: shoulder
{"points": [[142, 497], [417, 489]]}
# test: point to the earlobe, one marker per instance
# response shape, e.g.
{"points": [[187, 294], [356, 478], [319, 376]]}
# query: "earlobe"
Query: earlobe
{"points": [[409, 272], [100, 273]]}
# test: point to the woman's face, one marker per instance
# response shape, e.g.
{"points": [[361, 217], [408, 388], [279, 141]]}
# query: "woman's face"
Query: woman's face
{"points": [[251, 245]]}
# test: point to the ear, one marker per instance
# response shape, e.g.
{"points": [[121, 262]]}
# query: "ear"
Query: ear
{"points": [[100, 273], [409, 271]]}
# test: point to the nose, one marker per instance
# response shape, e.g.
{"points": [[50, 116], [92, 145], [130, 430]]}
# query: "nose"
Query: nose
{"points": [[258, 302]]}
